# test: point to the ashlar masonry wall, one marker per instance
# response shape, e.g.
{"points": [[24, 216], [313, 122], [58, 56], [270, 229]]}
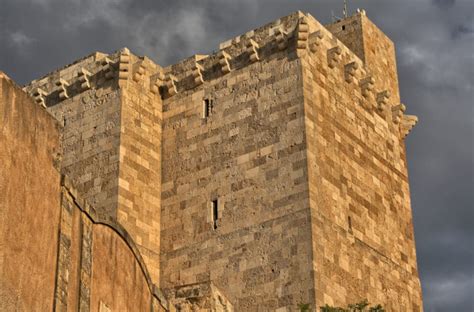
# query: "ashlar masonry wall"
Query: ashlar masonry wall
{"points": [[363, 242], [87, 104], [111, 139], [139, 194], [250, 156]]}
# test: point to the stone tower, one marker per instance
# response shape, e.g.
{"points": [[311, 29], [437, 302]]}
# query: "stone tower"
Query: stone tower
{"points": [[274, 168]]}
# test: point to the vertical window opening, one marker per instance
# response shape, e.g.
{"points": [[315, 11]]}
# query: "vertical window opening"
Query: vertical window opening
{"points": [[207, 108], [343, 27], [215, 213], [349, 221]]}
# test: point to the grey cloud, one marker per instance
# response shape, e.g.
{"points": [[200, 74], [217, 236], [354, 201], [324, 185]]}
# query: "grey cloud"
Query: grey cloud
{"points": [[463, 32], [434, 41], [444, 3], [455, 290], [20, 40]]}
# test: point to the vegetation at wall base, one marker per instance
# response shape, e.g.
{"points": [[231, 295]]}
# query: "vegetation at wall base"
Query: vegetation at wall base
{"points": [[363, 306]]}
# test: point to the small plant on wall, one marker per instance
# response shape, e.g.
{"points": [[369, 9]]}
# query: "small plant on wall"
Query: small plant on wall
{"points": [[304, 307], [363, 306]]}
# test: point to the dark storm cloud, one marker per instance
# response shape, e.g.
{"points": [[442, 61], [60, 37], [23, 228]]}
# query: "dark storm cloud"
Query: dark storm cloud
{"points": [[434, 41], [444, 3], [461, 31]]}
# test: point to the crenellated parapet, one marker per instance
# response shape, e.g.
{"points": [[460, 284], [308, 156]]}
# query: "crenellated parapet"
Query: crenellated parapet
{"points": [[95, 72], [353, 73], [255, 46], [297, 35]]}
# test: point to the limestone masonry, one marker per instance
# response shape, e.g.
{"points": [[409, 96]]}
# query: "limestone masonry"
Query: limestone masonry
{"points": [[267, 174]]}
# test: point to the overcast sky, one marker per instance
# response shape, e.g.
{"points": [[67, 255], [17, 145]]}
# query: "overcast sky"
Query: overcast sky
{"points": [[434, 40]]}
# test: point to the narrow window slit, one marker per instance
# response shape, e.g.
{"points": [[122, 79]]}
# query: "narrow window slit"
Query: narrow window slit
{"points": [[207, 107], [215, 213], [349, 221]]}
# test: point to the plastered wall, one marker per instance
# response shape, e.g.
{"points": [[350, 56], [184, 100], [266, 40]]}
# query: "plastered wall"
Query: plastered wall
{"points": [[57, 252], [29, 144]]}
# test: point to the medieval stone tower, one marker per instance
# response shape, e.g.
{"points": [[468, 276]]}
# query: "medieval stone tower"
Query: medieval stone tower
{"points": [[273, 168]]}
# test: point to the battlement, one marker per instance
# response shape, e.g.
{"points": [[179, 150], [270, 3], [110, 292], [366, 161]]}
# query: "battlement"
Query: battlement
{"points": [[296, 35]]}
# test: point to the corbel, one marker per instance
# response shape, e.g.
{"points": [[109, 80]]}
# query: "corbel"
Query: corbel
{"points": [[170, 85], [252, 50], [382, 100], [124, 65], [224, 62], [280, 37], [84, 79], [39, 96], [197, 74], [156, 84], [350, 71], [302, 35], [315, 40], [108, 69], [62, 84], [367, 86], [407, 124], [140, 72], [334, 55], [397, 113]]}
